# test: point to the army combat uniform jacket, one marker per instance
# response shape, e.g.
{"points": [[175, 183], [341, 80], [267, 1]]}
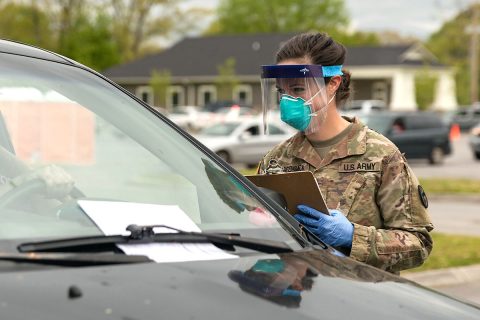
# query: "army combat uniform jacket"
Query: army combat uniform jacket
{"points": [[367, 178]]}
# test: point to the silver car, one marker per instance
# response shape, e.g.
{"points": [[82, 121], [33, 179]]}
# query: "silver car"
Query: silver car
{"points": [[242, 141], [475, 141]]}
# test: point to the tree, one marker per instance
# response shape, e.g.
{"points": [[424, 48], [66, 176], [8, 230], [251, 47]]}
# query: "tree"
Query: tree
{"points": [[226, 79], [98, 33], [450, 45], [425, 83], [253, 16], [25, 23], [137, 23], [90, 41], [160, 80]]}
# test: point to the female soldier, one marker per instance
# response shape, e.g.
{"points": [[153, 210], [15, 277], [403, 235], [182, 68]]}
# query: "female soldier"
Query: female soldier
{"points": [[378, 207]]}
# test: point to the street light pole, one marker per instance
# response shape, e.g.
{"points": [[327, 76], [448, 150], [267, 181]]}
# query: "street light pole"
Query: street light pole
{"points": [[474, 56]]}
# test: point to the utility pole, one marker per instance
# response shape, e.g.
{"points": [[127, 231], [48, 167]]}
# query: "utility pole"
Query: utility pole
{"points": [[474, 55]]}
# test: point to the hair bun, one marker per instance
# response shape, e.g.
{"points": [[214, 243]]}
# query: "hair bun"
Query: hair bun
{"points": [[343, 91]]}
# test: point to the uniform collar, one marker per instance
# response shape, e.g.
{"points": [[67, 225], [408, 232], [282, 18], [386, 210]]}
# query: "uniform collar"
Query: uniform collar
{"points": [[355, 143]]}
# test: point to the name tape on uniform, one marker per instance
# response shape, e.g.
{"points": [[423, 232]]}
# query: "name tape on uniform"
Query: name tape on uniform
{"points": [[359, 166]]}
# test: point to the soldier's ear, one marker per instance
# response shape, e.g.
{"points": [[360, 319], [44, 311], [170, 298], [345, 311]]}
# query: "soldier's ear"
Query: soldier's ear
{"points": [[333, 84]]}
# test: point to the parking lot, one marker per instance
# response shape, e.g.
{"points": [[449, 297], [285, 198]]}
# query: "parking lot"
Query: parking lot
{"points": [[460, 164]]}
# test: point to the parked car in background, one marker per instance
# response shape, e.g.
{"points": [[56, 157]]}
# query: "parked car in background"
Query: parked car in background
{"points": [[191, 118], [214, 106], [475, 141], [467, 117], [110, 211], [243, 141], [420, 135], [364, 106], [232, 113]]}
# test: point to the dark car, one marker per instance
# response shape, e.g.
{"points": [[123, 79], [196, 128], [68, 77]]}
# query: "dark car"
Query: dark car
{"points": [[475, 141], [215, 106], [110, 211], [467, 117], [420, 135]]}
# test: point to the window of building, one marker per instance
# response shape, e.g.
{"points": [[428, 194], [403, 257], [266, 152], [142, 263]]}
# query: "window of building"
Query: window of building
{"points": [[380, 91], [206, 94], [175, 97], [243, 94], [145, 93]]}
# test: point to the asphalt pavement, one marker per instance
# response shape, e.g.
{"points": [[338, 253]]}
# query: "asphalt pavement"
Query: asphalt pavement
{"points": [[460, 164]]}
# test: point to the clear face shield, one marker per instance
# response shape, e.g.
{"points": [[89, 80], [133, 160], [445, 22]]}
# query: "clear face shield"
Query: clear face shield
{"points": [[298, 92]]}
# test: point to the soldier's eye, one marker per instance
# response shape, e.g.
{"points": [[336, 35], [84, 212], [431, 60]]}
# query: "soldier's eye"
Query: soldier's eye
{"points": [[298, 90]]}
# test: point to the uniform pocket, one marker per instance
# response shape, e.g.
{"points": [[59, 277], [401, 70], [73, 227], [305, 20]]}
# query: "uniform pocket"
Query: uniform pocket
{"points": [[350, 193]]}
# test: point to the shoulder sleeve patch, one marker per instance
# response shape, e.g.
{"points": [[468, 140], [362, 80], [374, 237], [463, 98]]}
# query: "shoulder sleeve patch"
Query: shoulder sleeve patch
{"points": [[423, 196]]}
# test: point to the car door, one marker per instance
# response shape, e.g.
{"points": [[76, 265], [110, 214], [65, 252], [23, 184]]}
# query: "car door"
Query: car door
{"points": [[252, 145], [420, 133], [408, 136]]}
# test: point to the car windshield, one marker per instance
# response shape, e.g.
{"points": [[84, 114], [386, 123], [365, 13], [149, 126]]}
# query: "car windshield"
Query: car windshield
{"points": [[64, 126], [220, 129]]}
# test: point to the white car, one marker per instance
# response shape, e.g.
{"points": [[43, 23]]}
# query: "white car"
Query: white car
{"points": [[365, 106], [243, 141], [190, 118]]}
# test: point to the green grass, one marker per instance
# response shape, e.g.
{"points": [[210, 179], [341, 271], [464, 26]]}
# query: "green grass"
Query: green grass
{"points": [[437, 186], [451, 251], [451, 186], [247, 172]]}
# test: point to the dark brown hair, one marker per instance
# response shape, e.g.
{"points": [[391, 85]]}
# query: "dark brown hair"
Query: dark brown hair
{"points": [[321, 49]]}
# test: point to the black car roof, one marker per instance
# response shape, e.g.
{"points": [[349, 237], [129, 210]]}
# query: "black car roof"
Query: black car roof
{"points": [[11, 47]]}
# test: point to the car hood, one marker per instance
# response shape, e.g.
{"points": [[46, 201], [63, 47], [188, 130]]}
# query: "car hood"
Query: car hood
{"points": [[301, 285]]}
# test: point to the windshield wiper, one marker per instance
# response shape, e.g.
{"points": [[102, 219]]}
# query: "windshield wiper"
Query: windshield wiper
{"points": [[145, 234], [72, 260]]}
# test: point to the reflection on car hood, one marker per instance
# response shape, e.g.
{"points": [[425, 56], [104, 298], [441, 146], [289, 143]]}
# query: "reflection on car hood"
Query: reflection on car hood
{"points": [[300, 285]]}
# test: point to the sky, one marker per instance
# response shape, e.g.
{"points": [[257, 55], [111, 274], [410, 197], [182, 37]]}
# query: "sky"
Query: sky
{"points": [[418, 18]]}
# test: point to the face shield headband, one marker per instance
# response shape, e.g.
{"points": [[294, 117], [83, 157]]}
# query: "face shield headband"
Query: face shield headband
{"points": [[298, 91]]}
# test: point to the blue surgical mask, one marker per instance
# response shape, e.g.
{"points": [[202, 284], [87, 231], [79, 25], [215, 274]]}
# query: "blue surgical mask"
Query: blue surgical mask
{"points": [[294, 112]]}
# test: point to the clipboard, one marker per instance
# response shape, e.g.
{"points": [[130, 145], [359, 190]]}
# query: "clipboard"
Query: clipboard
{"points": [[299, 187]]}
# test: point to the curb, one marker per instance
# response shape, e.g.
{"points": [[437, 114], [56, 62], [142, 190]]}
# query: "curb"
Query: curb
{"points": [[445, 277]]}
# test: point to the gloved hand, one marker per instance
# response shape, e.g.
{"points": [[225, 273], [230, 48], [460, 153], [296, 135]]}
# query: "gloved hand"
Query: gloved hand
{"points": [[333, 229], [57, 181]]}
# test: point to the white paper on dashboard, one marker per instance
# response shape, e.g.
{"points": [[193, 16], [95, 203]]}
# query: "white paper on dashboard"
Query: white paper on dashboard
{"points": [[113, 218]]}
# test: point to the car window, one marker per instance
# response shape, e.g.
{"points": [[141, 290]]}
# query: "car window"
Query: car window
{"points": [[220, 129], [85, 139], [378, 122], [415, 122], [420, 121], [357, 107], [179, 111], [273, 130], [254, 130]]}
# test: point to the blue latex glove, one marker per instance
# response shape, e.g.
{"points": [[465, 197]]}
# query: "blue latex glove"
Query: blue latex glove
{"points": [[333, 229]]}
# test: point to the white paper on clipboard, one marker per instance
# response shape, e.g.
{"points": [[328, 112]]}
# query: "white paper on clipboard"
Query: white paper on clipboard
{"points": [[112, 218]]}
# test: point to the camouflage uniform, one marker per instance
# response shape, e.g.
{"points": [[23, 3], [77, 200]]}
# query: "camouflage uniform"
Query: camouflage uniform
{"points": [[367, 178]]}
